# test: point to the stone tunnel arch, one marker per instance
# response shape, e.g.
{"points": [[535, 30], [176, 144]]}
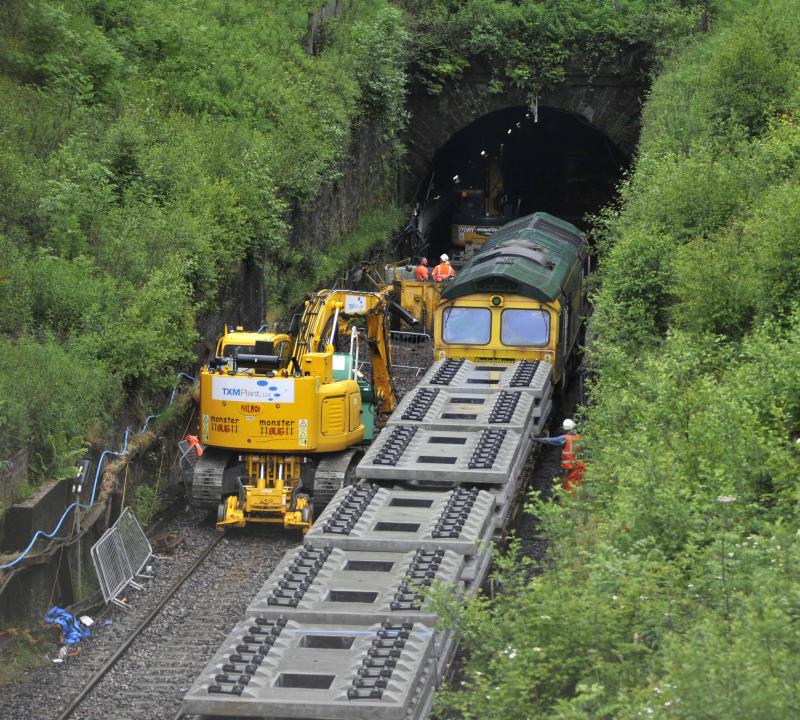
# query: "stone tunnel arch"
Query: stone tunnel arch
{"points": [[609, 100]]}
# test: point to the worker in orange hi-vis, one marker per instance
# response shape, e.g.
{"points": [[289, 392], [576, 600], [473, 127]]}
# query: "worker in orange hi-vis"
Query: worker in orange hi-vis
{"points": [[194, 441], [443, 270], [421, 273], [571, 468]]}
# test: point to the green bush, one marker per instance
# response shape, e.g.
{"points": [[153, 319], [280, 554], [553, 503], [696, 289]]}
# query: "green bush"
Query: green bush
{"points": [[670, 587], [146, 152], [527, 43], [53, 392]]}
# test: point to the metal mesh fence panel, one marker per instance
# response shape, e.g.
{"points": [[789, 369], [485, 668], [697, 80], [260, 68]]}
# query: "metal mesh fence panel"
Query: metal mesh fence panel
{"points": [[111, 564], [188, 457], [412, 352], [135, 542]]}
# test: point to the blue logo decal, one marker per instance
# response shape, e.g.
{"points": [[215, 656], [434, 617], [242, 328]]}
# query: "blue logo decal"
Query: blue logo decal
{"points": [[273, 388], [264, 383]]}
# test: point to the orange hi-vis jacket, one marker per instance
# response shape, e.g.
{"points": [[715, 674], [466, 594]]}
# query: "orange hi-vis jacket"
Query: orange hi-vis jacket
{"points": [[569, 453], [443, 271], [421, 273], [194, 441], [572, 467]]}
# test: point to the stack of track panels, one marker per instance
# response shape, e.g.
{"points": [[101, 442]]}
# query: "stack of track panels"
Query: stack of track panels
{"points": [[464, 423], [343, 627]]}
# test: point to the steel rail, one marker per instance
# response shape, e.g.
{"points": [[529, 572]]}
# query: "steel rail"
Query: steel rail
{"points": [[120, 651]]}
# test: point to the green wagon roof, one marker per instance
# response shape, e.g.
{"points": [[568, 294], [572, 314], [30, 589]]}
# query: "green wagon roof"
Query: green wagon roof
{"points": [[533, 256]]}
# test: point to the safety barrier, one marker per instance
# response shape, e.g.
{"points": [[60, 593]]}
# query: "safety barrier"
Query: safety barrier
{"points": [[119, 556], [412, 351], [135, 542]]}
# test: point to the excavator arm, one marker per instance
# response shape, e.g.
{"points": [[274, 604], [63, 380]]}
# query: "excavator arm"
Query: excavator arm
{"points": [[332, 312]]}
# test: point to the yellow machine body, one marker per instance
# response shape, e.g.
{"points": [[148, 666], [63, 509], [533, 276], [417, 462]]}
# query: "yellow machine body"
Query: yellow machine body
{"points": [[471, 234], [269, 499], [419, 298], [479, 211], [250, 413], [275, 403]]}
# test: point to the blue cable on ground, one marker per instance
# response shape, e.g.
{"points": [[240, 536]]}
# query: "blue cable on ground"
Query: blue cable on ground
{"points": [[40, 533]]}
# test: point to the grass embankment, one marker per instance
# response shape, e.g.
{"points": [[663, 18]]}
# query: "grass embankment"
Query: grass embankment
{"points": [[25, 649], [146, 150], [673, 587]]}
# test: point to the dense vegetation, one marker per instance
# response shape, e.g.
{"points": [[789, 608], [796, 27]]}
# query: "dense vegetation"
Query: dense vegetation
{"points": [[530, 43], [146, 150], [672, 587]]}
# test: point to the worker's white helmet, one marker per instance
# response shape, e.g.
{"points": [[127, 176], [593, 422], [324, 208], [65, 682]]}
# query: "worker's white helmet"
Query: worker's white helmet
{"points": [[568, 425], [445, 257]]}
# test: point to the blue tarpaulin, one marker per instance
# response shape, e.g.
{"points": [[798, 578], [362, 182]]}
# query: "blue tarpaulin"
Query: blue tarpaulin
{"points": [[74, 630]]}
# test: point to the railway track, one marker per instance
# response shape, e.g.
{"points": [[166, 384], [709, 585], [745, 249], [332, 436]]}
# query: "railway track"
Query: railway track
{"points": [[147, 675]]}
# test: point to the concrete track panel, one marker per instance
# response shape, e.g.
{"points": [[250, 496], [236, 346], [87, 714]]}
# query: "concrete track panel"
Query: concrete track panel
{"points": [[467, 409], [476, 570], [433, 456], [544, 407], [526, 375], [350, 587], [400, 521], [505, 494], [317, 671]]}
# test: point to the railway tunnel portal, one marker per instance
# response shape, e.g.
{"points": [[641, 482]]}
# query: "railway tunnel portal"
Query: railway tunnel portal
{"points": [[480, 158]]}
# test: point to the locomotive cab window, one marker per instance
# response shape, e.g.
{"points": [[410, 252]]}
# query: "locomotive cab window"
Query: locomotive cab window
{"points": [[467, 326], [525, 327]]}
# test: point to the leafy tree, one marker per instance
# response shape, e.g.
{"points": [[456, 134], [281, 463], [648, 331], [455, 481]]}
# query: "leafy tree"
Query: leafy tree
{"points": [[146, 152], [670, 583]]}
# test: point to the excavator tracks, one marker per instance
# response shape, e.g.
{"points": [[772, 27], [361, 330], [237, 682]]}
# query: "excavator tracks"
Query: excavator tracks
{"points": [[332, 473]]}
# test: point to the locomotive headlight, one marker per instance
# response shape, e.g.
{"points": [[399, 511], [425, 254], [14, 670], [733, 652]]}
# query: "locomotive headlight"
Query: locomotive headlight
{"points": [[497, 301]]}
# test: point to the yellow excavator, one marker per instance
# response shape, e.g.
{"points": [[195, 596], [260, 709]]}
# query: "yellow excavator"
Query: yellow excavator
{"points": [[281, 419]]}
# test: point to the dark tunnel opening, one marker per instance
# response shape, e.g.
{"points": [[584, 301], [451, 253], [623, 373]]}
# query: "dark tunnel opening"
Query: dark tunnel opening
{"points": [[513, 162]]}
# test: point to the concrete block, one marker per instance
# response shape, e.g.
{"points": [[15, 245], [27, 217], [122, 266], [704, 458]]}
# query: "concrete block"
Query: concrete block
{"points": [[403, 520], [544, 407], [40, 511], [317, 671], [476, 570], [350, 587], [526, 375], [426, 456], [467, 408]]}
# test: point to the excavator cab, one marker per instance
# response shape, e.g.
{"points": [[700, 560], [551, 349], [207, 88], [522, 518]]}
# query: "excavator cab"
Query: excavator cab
{"points": [[240, 349]]}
